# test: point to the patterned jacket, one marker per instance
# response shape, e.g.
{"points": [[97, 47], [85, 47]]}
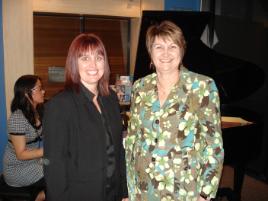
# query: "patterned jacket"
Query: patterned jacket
{"points": [[174, 152]]}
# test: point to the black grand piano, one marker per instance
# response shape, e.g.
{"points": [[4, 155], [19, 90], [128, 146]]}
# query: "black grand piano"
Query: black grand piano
{"points": [[236, 79]]}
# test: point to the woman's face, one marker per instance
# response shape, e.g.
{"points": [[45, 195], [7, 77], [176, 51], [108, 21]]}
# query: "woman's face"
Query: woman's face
{"points": [[91, 68], [166, 55], [38, 93]]}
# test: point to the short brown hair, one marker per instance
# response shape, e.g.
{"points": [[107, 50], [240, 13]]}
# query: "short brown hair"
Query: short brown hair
{"points": [[81, 44], [166, 29]]}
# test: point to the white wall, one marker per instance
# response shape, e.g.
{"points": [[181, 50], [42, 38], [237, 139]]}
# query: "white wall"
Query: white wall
{"points": [[18, 43], [135, 28]]}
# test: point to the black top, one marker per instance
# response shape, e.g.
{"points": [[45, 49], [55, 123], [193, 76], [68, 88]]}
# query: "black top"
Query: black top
{"points": [[75, 148], [110, 160]]}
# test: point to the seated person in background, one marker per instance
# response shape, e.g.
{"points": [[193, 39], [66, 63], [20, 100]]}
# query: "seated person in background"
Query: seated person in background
{"points": [[22, 165]]}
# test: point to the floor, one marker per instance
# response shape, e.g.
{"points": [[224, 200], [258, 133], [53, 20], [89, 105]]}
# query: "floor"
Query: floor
{"points": [[253, 190]]}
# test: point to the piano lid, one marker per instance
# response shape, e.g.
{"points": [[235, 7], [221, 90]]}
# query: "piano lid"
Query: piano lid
{"points": [[236, 79]]}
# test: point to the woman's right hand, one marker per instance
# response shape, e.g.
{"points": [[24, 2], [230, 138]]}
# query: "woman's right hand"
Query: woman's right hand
{"points": [[22, 153]]}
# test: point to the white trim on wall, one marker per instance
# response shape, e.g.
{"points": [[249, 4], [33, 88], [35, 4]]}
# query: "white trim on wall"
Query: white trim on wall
{"points": [[126, 8]]}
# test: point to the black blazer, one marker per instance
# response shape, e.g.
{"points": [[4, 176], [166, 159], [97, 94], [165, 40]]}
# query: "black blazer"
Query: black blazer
{"points": [[75, 148]]}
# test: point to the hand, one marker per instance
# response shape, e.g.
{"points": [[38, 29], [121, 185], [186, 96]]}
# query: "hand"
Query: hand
{"points": [[202, 199], [125, 199]]}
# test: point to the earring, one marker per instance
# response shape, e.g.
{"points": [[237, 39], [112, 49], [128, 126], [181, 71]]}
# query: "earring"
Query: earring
{"points": [[151, 65]]}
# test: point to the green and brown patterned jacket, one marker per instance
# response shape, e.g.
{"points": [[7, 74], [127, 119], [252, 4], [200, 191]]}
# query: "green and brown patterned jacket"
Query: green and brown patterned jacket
{"points": [[174, 152]]}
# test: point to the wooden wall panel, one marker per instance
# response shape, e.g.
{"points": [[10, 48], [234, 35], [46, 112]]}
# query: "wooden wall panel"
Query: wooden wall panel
{"points": [[52, 38], [110, 31], [53, 35]]}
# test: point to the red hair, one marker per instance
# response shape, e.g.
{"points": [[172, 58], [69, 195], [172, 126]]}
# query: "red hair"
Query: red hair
{"points": [[80, 45]]}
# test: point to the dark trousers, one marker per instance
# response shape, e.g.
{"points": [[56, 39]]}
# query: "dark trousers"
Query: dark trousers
{"points": [[37, 187]]}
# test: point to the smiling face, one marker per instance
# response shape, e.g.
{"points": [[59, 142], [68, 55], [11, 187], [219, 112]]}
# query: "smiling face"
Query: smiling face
{"points": [[91, 69], [166, 55]]}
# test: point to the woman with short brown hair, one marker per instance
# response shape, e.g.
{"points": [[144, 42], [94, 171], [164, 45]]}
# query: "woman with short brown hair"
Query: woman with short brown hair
{"points": [[174, 145]]}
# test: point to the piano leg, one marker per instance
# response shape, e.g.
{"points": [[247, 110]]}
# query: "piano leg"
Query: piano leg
{"points": [[238, 179], [239, 173]]}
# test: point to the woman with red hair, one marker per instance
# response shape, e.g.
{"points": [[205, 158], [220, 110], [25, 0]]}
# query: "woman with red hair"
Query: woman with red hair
{"points": [[84, 157]]}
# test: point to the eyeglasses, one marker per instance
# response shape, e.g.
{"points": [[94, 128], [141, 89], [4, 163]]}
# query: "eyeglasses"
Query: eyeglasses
{"points": [[38, 88]]}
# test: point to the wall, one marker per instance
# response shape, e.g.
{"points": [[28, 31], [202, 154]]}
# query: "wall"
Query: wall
{"points": [[93, 7], [18, 42], [135, 28], [3, 133], [54, 33], [125, 8], [18, 52], [18, 34]]}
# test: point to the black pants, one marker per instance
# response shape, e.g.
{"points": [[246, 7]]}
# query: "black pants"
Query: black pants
{"points": [[37, 187]]}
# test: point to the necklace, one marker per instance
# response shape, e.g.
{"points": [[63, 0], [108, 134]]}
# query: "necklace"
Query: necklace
{"points": [[162, 93], [163, 90]]}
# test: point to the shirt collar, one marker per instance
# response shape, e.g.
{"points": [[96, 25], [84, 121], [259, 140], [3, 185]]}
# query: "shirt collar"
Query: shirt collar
{"points": [[149, 88], [150, 82], [88, 94]]}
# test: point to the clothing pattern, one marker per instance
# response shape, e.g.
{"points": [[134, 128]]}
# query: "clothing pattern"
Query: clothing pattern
{"points": [[174, 152], [17, 172]]}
